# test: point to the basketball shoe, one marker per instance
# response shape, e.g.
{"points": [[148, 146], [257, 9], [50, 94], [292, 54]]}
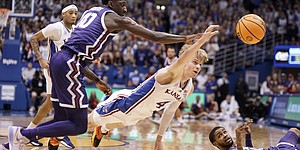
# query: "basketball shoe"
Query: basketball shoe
{"points": [[15, 139], [67, 142], [4, 146], [97, 136]]}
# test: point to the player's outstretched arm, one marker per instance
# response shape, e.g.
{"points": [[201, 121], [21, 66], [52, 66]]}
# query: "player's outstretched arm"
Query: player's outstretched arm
{"points": [[34, 42], [104, 87], [118, 23], [166, 119]]}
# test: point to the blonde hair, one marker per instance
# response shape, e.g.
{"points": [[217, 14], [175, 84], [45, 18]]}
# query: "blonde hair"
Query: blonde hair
{"points": [[200, 54]]}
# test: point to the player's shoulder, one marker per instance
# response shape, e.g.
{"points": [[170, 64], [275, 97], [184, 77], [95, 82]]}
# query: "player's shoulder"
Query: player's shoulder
{"points": [[56, 25]]}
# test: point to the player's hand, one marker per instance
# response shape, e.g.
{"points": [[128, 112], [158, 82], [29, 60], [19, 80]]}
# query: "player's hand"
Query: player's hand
{"points": [[104, 87], [190, 38], [210, 32], [158, 145], [244, 127], [44, 63]]}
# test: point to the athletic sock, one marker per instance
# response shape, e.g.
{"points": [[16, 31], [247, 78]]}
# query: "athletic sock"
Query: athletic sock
{"points": [[104, 129], [31, 125]]}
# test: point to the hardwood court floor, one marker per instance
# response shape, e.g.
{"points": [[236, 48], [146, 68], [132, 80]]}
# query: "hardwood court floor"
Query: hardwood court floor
{"points": [[142, 135]]}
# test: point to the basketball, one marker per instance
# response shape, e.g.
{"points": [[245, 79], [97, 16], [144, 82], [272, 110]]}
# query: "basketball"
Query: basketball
{"points": [[251, 29]]}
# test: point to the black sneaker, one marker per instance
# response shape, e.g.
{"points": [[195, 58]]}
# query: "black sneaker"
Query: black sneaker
{"points": [[97, 136], [36, 143]]}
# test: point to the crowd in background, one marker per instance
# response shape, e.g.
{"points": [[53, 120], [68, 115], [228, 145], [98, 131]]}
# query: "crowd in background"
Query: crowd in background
{"points": [[129, 59]]}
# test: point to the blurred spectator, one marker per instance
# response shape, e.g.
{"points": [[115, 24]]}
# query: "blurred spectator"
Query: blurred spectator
{"points": [[211, 87], [171, 56], [119, 78], [223, 88], [151, 72], [135, 78], [27, 73], [37, 90], [128, 55], [107, 57], [241, 94], [266, 86], [141, 55], [118, 58], [260, 110], [100, 69], [292, 86], [202, 79], [230, 108], [197, 109], [93, 101]]}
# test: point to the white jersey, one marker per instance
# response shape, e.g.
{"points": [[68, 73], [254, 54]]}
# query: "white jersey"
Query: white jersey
{"points": [[130, 106], [57, 34]]}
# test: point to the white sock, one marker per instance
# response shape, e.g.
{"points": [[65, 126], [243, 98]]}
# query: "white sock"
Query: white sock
{"points": [[104, 129], [31, 125], [180, 120]]}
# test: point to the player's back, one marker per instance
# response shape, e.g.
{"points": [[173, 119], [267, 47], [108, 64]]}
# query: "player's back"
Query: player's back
{"points": [[90, 36]]}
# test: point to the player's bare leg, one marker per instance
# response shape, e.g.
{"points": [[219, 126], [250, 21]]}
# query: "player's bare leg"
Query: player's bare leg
{"points": [[43, 110]]}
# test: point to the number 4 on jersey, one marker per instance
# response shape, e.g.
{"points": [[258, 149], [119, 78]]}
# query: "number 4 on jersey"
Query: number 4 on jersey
{"points": [[162, 104]]}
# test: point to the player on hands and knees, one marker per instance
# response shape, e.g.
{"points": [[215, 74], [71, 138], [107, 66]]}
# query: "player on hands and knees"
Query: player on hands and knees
{"points": [[165, 89]]}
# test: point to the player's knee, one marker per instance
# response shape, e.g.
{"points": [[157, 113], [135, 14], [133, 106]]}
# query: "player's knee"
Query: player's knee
{"points": [[81, 126], [82, 129], [296, 131]]}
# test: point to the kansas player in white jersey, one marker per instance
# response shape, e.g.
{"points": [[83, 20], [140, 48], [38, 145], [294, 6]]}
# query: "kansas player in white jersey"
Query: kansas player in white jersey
{"points": [[91, 35], [165, 89]]}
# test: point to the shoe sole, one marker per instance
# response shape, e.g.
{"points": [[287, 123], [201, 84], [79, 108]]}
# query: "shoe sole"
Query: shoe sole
{"points": [[36, 144], [66, 145]]}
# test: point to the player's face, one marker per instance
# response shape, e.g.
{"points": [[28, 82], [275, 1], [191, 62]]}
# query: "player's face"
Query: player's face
{"points": [[119, 6], [223, 138], [193, 67], [70, 16]]}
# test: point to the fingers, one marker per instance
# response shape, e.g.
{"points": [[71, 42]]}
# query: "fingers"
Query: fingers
{"points": [[211, 28]]}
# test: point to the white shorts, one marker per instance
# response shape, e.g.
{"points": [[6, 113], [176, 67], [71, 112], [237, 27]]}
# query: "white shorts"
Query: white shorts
{"points": [[48, 81], [114, 116]]}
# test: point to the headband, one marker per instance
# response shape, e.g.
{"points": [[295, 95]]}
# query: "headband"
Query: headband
{"points": [[68, 8]]}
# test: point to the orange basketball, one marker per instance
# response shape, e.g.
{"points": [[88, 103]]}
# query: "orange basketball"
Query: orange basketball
{"points": [[251, 29]]}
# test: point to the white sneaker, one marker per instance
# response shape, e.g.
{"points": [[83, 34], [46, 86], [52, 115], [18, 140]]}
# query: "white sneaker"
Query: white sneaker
{"points": [[32, 109], [15, 138]]}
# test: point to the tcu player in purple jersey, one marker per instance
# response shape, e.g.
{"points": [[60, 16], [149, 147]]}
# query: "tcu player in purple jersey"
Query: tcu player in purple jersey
{"points": [[220, 138], [93, 32], [56, 35]]}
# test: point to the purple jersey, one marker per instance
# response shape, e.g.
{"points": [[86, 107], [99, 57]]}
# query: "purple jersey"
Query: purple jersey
{"points": [[90, 35], [287, 142]]}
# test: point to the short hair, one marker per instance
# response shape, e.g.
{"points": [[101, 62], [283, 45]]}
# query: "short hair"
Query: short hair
{"points": [[105, 2], [212, 134], [201, 54]]}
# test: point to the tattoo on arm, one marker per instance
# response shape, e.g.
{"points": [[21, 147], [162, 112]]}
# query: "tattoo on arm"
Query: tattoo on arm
{"points": [[35, 47]]}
